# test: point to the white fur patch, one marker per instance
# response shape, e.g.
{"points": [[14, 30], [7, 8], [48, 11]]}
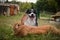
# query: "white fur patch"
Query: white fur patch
{"points": [[31, 14], [30, 22]]}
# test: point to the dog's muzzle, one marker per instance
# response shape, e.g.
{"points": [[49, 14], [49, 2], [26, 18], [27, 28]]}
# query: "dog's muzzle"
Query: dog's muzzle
{"points": [[31, 15]]}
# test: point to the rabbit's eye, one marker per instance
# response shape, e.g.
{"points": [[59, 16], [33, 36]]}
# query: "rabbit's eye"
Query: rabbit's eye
{"points": [[18, 25]]}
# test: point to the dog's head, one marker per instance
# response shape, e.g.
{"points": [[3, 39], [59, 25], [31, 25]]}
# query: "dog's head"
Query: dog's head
{"points": [[31, 13]]}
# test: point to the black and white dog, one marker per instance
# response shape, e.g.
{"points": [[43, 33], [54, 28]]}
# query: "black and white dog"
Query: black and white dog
{"points": [[30, 17]]}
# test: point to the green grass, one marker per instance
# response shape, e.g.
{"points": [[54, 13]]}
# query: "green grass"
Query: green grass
{"points": [[6, 31], [45, 14]]}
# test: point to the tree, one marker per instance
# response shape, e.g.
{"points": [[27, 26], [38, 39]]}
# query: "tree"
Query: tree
{"points": [[24, 6], [52, 5], [7, 1], [40, 6], [47, 5], [58, 3]]}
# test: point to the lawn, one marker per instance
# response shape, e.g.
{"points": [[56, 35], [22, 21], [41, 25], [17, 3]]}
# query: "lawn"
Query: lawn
{"points": [[6, 31]]}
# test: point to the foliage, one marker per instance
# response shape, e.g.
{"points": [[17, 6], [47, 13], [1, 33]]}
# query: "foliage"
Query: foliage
{"points": [[24, 6], [40, 5], [58, 3], [47, 5]]}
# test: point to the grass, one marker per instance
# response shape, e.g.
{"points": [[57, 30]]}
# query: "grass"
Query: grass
{"points": [[45, 14], [6, 31]]}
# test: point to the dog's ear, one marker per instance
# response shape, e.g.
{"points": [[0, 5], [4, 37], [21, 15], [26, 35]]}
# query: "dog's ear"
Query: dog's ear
{"points": [[35, 11], [27, 11]]}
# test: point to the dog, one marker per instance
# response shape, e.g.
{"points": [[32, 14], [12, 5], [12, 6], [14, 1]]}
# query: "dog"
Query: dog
{"points": [[23, 30], [30, 18]]}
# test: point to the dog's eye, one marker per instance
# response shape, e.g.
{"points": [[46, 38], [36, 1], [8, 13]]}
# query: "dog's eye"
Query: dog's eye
{"points": [[29, 12], [34, 12]]}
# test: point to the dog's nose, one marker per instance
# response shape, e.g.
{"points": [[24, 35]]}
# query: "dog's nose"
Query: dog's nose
{"points": [[32, 15]]}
